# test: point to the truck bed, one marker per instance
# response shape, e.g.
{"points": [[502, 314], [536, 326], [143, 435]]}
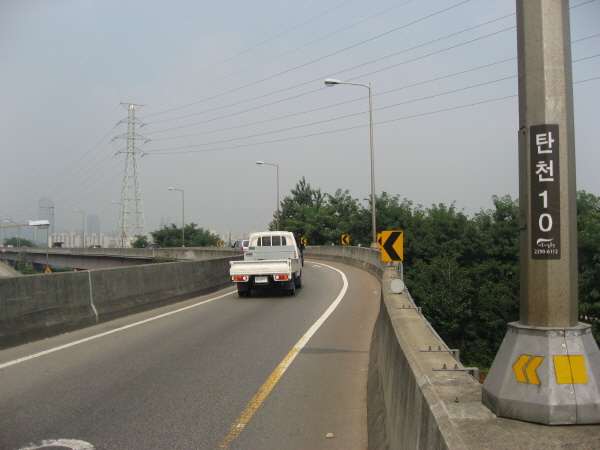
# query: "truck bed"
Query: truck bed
{"points": [[260, 267]]}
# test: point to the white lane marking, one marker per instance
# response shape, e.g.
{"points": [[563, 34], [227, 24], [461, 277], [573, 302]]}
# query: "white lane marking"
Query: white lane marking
{"points": [[81, 341], [68, 443]]}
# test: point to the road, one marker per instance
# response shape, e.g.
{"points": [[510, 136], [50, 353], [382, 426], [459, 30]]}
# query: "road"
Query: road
{"points": [[206, 373], [7, 271]]}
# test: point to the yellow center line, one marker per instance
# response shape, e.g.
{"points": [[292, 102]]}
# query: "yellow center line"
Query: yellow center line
{"points": [[240, 423]]}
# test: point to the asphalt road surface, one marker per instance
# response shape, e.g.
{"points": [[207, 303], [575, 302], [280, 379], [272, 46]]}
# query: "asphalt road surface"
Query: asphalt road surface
{"points": [[214, 372], [7, 271]]}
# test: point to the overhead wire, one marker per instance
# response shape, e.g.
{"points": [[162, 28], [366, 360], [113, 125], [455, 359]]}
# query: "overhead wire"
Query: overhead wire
{"points": [[319, 79], [343, 102], [173, 150], [341, 117], [357, 126], [508, 15], [334, 131], [223, 78], [305, 64], [239, 54], [325, 107]]}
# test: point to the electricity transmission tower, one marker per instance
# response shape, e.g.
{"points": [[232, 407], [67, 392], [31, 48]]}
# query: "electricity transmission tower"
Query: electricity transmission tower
{"points": [[131, 212]]}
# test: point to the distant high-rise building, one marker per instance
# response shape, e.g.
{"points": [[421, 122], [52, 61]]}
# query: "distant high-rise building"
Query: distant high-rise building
{"points": [[93, 224]]}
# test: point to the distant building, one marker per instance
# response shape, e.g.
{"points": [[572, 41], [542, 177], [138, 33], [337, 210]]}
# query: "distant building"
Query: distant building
{"points": [[68, 240], [73, 240], [93, 224]]}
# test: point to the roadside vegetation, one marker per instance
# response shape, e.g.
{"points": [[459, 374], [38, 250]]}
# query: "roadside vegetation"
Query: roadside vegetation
{"points": [[463, 271], [171, 236]]}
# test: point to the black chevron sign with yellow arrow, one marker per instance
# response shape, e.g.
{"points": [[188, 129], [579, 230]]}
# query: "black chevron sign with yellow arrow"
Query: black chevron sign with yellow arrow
{"points": [[392, 246]]}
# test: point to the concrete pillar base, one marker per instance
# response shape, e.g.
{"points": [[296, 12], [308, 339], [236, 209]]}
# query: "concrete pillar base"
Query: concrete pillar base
{"points": [[546, 375]]}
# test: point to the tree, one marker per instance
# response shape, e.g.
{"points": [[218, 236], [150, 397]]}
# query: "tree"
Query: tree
{"points": [[140, 241], [588, 227], [194, 236], [463, 271], [24, 266], [465, 275], [14, 241], [302, 213]]}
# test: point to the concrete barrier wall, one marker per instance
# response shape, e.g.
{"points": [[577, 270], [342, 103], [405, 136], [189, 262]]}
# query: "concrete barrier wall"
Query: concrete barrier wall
{"points": [[104, 258], [43, 305], [365, 258]]}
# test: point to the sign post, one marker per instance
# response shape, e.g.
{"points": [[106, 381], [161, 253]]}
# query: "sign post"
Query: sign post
{"points": [[547, 369]]}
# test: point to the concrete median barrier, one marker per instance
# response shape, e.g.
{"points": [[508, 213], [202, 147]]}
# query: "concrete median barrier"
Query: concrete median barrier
{"points": [[38, 306]]}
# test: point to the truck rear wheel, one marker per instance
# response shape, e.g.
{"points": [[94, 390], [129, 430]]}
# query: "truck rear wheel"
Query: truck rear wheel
{"points": [[298, 282]]}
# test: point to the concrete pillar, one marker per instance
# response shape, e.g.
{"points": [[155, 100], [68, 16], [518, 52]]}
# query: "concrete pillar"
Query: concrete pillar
{"points": [[548, 367]]}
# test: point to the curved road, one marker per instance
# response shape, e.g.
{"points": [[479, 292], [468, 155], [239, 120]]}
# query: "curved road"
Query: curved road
{"points": [[207, 373]]}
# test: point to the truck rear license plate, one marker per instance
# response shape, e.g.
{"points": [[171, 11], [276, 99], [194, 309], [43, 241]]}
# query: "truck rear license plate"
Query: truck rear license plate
{"points": [[261, 280]]}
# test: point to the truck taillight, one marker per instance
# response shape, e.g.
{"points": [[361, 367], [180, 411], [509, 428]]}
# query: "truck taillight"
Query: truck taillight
{"points": [[240, 278], [281, 277]]}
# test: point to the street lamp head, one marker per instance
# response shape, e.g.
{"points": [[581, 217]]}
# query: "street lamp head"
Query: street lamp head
{"points": [[171, 188], [331, 82], [258, 163]]}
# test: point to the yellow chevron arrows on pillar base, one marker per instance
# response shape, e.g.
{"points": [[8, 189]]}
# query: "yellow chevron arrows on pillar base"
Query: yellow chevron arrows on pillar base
{"points": [[545, 375]]}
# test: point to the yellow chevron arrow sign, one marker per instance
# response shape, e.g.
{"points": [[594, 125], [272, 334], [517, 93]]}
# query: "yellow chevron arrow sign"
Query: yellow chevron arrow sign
{"points": [[392, 246], [525, 369]]}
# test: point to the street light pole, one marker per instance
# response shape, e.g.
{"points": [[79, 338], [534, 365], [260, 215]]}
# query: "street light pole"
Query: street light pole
{"points": [[331, 82], [83, 223], [258, 163], [182, 214]]}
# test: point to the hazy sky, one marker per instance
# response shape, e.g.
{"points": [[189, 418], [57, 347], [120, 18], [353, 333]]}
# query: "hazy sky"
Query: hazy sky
{"points": [[223, 84]]}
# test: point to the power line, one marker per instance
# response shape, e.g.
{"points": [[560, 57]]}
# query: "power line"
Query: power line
{"points": [[345, 70], [236, 55], [346, 116], [280, 55], [319, 79], [169, 152], [307, 63]]}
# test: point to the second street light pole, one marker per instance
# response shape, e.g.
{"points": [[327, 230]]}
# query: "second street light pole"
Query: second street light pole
{"points": [[258, 163], [182, 214], [330, 82]]}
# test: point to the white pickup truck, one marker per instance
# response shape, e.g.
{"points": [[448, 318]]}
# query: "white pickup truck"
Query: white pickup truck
{"points": [[272, 261]]}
